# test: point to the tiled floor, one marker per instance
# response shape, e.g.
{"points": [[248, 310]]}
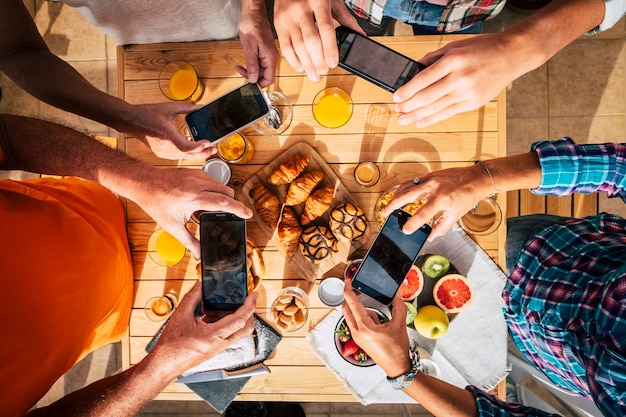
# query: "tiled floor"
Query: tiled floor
{"points": [[580, 93]]}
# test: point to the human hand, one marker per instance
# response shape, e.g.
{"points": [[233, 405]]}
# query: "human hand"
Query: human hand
{"points": [[155, 126], [461, 76], [387, 344], [450, 193], [306, 33], [259, 46], [188, 340], [171, 195]]}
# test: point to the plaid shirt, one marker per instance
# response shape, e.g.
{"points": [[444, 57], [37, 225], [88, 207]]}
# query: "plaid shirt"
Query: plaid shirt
{"points": [[566, 297], [456, 15]]}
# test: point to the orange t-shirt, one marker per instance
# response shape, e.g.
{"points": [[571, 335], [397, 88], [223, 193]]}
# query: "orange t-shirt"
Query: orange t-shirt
{"points": [[67, 281]]}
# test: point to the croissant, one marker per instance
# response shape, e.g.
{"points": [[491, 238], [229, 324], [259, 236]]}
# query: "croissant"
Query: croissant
{"points": [[318, 202], [289, 232], [289, 169], [301, 187], [266, 204]]}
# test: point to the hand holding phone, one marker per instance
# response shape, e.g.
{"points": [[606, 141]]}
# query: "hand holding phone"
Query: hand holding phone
{"points": [[224, 261], [228, 114], [373, 61], [390, 257]]}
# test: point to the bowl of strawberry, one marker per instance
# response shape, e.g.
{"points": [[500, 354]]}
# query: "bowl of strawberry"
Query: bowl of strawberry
{"points": [[347, 347]]}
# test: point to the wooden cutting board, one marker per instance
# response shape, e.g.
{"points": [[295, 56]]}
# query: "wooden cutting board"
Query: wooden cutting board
{"points": [[309, 270]]}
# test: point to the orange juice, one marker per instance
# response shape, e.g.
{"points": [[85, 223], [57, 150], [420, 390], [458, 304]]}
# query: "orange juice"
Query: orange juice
{"points": [[366, 174], [333, 108], [161, 307], [170, 249], [235, 149], [183, 84]]}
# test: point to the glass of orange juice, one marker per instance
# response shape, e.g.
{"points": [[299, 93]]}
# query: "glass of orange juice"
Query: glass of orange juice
{"points": [[332, 107], [179, 81], [164, 249], [235, 149], [158, 308]]}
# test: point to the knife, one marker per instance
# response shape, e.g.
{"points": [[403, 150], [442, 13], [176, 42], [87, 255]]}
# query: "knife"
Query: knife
{"points": [[220, 374]]}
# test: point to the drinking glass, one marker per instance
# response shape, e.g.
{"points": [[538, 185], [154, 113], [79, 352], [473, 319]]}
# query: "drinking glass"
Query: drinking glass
{"points": [[178, 81], [158, 308], [279, 118], [332, 107], [366, 174], [483, 219], [164, 249], [290, 309], [235, 149]]}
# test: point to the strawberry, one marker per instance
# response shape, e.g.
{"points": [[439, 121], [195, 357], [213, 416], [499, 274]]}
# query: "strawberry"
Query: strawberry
{"points": [[343, 333], [360, 355], [349, 348]]}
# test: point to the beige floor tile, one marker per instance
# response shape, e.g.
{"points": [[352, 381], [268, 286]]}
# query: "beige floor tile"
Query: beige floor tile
{"points": [[521, 133], [15, 100], [528, 95], [164, 407], [315, 408], [589, 129], [67, 33], [611, 205], [587, 78]]}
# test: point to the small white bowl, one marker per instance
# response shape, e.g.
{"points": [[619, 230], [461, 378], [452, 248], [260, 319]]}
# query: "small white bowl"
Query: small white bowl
{"points": [[430, 367], [218, 170], [331, 292]]}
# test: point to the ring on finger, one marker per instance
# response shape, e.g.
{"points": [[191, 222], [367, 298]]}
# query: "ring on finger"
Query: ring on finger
{"points": [[416, 180]]}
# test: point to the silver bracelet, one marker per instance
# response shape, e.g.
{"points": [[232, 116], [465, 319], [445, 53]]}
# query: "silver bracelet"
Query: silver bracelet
{"points": [[493, 182]]}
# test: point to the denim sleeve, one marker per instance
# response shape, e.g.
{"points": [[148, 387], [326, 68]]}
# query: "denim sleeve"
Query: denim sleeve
{"points": [[491, 406], [613, 12], [568, 168]]}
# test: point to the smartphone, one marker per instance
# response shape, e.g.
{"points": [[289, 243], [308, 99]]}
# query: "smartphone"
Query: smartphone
{"points": [[373, 61], [228, 114], [390, 257], [223, 260]]}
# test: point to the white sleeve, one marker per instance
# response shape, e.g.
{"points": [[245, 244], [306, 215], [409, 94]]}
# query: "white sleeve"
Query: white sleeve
{"points": [[614, 10]]}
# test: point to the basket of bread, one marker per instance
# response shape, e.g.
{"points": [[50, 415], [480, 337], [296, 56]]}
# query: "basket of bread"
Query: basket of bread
{"points": [[308, 213]]}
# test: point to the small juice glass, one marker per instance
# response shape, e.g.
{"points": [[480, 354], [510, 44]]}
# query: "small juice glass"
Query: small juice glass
{"points": [[178, 80], [235, 149], [158, 308], [164, 249], [332, 107]]}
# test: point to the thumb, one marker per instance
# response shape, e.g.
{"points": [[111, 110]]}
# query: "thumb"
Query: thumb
{"points": [[191, 299]]}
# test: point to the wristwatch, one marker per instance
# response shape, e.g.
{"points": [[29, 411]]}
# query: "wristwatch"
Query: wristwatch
{"points": [[404, 380]]}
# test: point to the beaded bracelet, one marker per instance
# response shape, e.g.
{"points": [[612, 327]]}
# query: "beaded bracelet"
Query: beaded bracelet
{"points": [[493, 182]]}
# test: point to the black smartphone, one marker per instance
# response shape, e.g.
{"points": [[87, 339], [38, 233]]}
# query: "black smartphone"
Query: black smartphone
{"points": [[228, 114], [223, 260], [390, 257], [373, 61]]}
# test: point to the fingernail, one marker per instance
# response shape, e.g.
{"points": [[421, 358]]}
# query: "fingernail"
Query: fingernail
{"points": [[403, 120], [314, 77], [332, 62]]}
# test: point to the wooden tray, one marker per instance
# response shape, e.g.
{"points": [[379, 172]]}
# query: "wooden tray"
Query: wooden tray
{"points": [[309, 270]]}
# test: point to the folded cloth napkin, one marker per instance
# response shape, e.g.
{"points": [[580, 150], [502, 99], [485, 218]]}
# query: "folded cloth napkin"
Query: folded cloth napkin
{"points": [[473, 351]]}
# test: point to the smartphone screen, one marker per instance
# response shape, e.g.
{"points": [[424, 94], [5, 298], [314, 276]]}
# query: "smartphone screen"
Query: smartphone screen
{"points": [[389, 258], [223, 260], [228, 114], [374, 62]]}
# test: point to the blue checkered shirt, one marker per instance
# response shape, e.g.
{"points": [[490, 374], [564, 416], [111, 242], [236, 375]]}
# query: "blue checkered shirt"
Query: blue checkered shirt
{"points": [[566, 297]]}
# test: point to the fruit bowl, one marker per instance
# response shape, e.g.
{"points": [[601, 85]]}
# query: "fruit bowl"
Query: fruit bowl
{"points": [[339, 344]]}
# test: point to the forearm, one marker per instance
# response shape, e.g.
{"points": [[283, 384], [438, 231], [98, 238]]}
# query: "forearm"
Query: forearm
{"points": [[537, 38], [123, 394], [57, 83], [38, 146], [510, 173], [441, 398]]}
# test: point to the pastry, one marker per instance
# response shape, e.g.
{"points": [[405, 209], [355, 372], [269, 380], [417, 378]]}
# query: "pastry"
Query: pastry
{"points": [[289, 231], [256, 265], [316, 205], [347, 222], [289, 169], [266, 205], [302, 186], [317, 243]]}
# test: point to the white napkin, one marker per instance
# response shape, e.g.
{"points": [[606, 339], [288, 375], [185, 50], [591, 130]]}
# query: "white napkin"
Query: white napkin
{"points": [[236, 355], [473, 351]]}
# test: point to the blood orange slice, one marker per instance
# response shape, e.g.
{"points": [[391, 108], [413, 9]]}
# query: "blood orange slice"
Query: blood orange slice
{"points": [[453, 293], [412, 285]]}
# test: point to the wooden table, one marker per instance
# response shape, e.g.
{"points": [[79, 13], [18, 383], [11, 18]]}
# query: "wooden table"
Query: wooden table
{"points": [[372, 133]]}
